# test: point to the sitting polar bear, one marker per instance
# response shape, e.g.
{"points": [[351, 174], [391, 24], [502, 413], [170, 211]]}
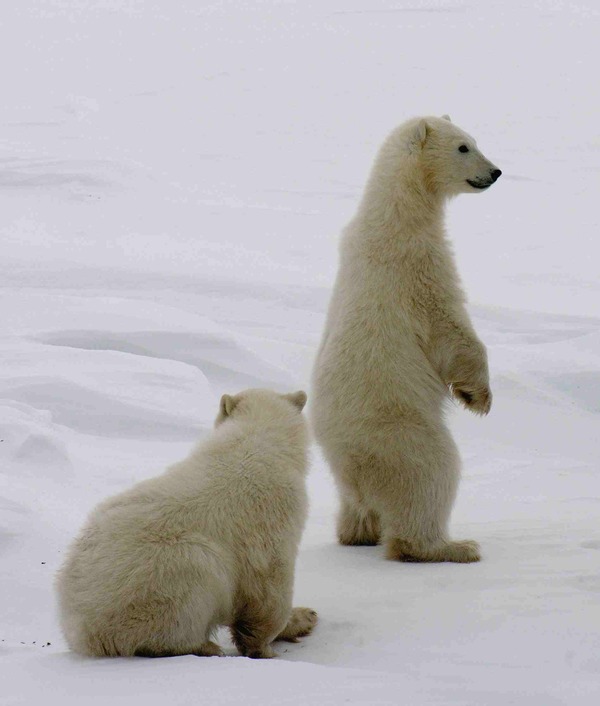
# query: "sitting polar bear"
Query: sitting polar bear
{"points": [[397, 343], [213, 541]]}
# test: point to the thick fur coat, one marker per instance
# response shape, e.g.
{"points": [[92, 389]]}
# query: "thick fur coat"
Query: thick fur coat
{"points": [[212, 541], [397, 343]]}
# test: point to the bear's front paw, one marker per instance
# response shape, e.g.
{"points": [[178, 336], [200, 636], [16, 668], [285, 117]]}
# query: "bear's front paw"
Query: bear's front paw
{"points": [[301, 623], [468, 377], [477, 400], [263, 652]]}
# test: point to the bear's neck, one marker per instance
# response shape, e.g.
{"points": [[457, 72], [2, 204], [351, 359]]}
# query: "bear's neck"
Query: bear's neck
{"points": [[257, 435], [400, 206]]}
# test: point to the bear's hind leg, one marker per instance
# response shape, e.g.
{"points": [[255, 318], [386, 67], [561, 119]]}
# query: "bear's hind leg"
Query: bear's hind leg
{"points": [[461, 552], [357, 527], [418, 495]]}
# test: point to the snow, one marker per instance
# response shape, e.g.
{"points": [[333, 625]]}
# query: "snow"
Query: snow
{"points": [[173, 179]]}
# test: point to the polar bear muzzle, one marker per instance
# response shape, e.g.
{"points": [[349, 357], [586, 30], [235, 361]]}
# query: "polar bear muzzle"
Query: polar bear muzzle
{"points": [[494, 176]]}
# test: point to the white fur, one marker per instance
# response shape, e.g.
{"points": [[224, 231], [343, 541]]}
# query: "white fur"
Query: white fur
{"points": [[212, 541], [397, 340]]}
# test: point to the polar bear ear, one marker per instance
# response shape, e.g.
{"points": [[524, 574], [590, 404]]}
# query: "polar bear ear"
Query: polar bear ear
{"points": [[445, 116], [298, 399], [227, 405], [419, 134]]}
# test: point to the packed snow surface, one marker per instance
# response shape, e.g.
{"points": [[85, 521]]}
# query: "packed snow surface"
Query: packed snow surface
{"points": [[173, 180]]}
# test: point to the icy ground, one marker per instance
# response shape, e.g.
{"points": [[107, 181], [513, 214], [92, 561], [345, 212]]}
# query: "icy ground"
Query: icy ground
{"points": [[173, 179]]}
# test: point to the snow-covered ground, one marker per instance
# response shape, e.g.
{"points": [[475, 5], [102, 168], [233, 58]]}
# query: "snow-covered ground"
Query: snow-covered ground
{"points": [[173, 179]]}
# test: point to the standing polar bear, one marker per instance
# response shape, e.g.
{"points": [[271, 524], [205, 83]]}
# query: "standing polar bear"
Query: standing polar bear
{"points": [[213, 541], [397, 343]]}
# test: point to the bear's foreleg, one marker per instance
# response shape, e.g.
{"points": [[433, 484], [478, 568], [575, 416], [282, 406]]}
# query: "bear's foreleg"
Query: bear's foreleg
{"points": [[461, 359], [468, 378], [265, 609]]}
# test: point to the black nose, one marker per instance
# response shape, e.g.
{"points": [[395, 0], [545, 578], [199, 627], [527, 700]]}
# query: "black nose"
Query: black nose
{"points": [[495, 174]]}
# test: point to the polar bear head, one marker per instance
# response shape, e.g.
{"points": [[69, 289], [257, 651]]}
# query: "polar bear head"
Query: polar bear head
{"points": [[260, 404], [450, 158]]}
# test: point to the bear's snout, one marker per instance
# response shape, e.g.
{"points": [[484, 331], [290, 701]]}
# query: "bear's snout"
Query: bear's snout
{"points": [[495, 174]]}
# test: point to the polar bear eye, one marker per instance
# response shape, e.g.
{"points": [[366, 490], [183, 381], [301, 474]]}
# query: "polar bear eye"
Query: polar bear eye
{"points": [[463, 148]]}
